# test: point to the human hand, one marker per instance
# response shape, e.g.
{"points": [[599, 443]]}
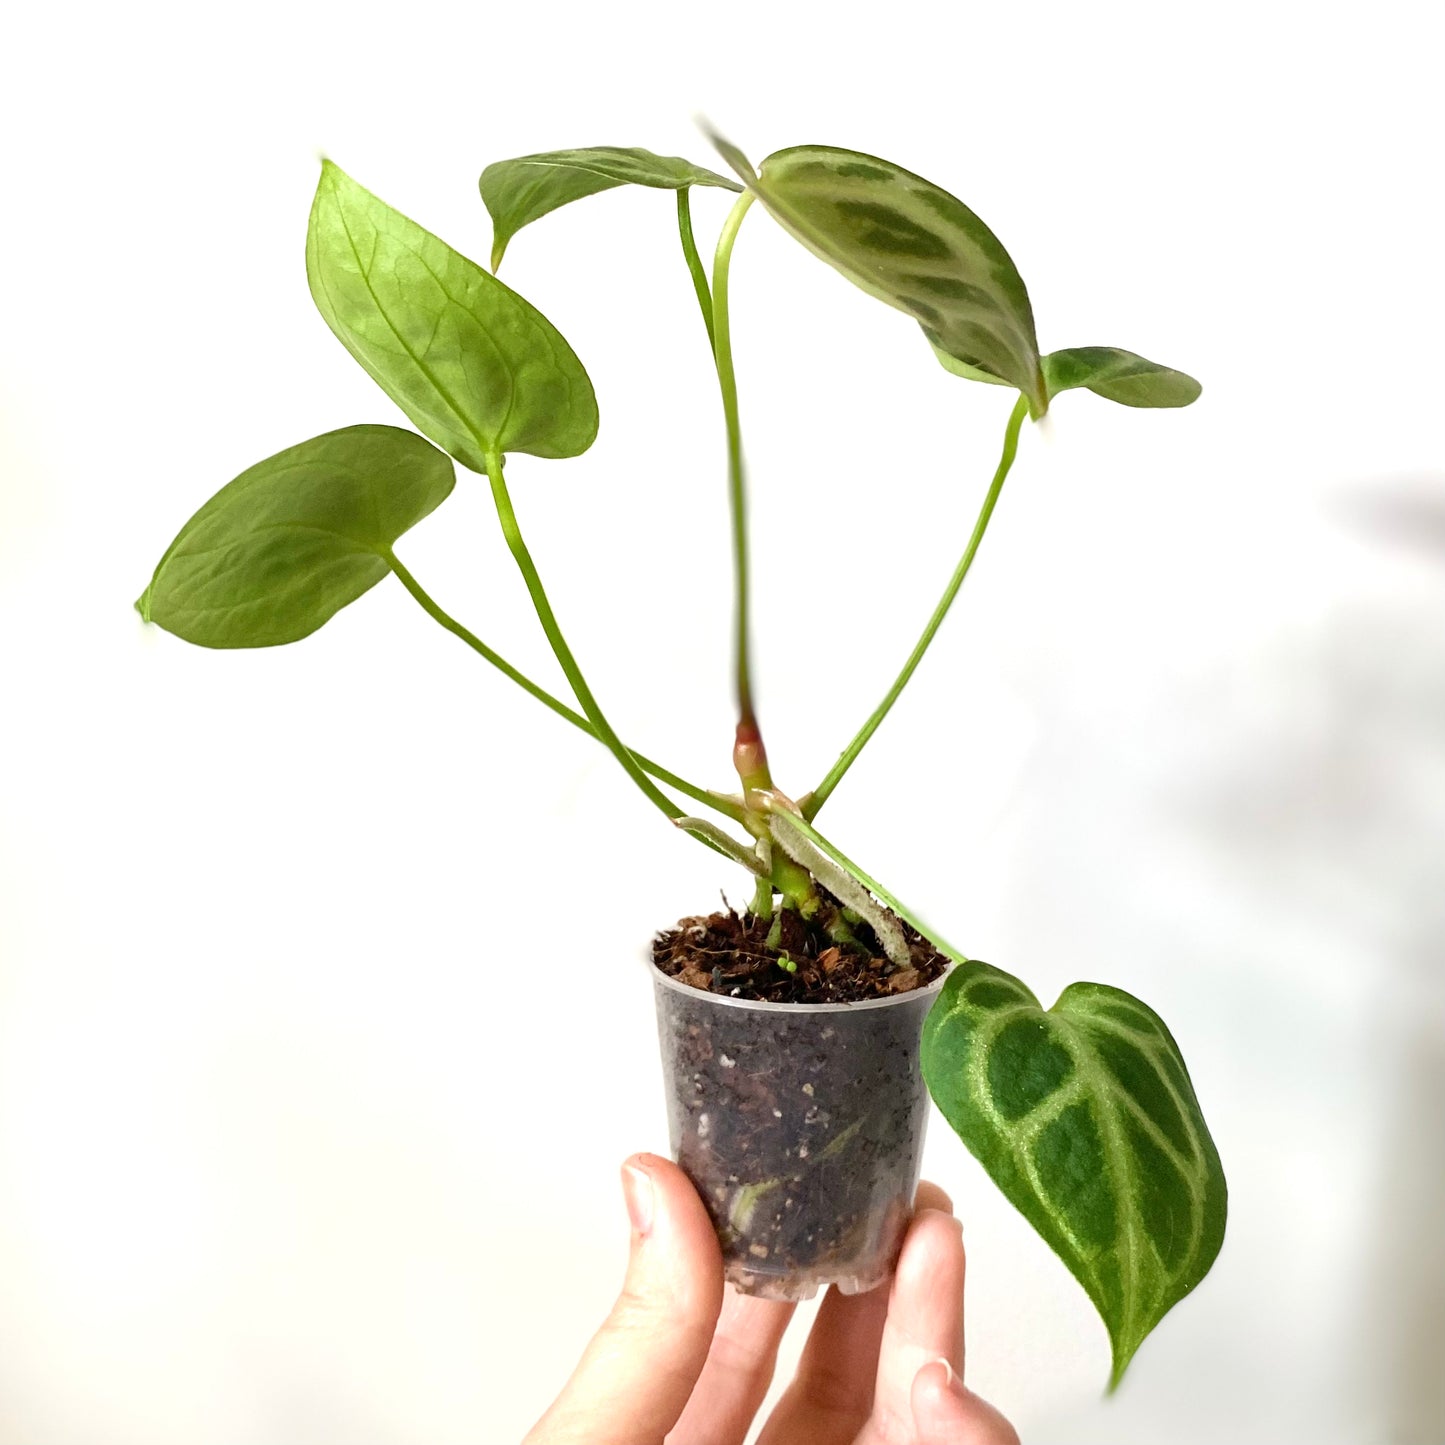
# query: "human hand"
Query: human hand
{"points": [[684, 1361]]}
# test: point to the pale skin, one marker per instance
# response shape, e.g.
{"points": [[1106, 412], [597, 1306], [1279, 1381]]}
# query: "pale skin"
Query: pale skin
{"points": [[681, 1360]]}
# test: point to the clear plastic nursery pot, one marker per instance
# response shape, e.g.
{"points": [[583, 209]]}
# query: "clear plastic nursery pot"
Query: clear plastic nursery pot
{"points": [[801, 1125]]}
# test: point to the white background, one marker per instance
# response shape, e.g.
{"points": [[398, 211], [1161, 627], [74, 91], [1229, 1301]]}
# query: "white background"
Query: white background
{"points": [[322, 1030]]}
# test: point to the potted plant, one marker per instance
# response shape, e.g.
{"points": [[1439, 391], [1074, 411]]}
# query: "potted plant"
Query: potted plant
{"points": [[796, 1035]]}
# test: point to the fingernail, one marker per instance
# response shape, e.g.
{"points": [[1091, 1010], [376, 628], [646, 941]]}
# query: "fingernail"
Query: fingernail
{"points": [[951, 1382], [637, 1190], [953, 1219]]}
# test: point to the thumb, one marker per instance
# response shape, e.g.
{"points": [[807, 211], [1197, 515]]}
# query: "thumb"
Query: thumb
{"points": [[946, 1413], [641, 1366]]}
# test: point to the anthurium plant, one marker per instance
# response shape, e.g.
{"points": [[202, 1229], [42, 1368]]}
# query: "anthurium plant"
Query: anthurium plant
{"points": [[1083, 1112]]}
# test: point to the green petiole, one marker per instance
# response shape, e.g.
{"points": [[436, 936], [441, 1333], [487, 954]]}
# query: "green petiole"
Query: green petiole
{"points": [[716, 801], [694, 265], [523, 558], [813, 801], [737, 492]]}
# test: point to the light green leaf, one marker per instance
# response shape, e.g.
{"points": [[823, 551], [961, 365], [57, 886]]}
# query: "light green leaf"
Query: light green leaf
{"points": [[520, 191], [1118, 375], [967, 372], [472, 364], [1085, 1117], [287, 544], [911, 244]]}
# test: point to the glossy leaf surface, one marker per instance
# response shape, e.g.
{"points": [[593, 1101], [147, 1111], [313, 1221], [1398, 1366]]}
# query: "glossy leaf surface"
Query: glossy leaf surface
{"points": [[472, 364], [1084, 1115], [1118, 375], [911, 244], [287, 544], [520, 191]]}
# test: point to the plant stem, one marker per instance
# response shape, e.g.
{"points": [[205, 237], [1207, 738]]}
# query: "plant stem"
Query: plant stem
{"points": [[815, 800], [762, 904], [523, 558], [713, 800], [694, 263], [737, 493]]}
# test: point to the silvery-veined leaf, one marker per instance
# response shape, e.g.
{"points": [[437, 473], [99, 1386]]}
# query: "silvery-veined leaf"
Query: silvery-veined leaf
{"points": [[911, 244], [1085, 1117]]}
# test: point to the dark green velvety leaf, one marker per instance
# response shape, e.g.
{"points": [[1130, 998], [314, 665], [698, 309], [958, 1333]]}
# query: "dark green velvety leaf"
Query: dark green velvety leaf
{"points": [[1118, 375], [911, 244], [1083, 1114], [292, 540], [520, 191], [472, 364]]}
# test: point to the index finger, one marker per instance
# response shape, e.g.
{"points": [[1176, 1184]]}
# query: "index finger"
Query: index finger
{"points": [[635, 1377]]}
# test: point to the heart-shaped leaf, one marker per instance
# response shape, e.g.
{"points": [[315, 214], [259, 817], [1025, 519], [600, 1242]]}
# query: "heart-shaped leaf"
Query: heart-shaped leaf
{"points": [[1118, 375], [288, 543], [1085, 1117], [912, 244], [472, 364], [520, 191]]}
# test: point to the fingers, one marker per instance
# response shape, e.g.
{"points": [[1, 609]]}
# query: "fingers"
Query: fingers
{"points": [[925, 1314], [932, 1196], [832, 1395], [636, 1375], [737, 1374], [945, 1413]]}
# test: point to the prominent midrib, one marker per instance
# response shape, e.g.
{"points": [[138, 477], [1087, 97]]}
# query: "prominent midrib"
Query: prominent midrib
{"points": [[355, 544], [1134, 1239], [331, 564], [1090, 1082], [421, 366]]}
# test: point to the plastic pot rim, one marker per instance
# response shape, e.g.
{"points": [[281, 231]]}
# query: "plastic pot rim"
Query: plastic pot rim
{"points": [[928, 991]]}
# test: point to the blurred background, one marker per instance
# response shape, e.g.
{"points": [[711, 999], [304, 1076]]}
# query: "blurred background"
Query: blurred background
{"points": [[323, 1026]]}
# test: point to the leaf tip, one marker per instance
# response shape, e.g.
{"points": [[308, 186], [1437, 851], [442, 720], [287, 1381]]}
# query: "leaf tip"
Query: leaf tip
{"points": [[143, 604], [726, 149], [330, 171], [1122, 1355]]}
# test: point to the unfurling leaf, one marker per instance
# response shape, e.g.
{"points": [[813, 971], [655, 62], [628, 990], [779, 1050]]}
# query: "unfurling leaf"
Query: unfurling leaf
{"points": [[1118, 375], [520, 191], [472, 364], [288, 543], [1083, 1114], [909, 243]]}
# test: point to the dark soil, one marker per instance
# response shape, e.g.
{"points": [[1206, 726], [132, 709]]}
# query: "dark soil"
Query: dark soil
{"points": [[727, 953]]}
